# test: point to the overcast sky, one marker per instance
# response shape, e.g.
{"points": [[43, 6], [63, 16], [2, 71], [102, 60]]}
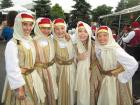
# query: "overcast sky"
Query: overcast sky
{"points": [[66, 4]]}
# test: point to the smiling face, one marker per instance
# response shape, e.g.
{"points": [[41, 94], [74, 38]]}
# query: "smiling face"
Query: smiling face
{"points": [[27, 27], [60, 31], [103, 37], [83, 35], [46, 30]]}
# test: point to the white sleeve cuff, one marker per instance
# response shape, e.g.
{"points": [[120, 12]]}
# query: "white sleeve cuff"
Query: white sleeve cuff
{"points": [[121, 78]]}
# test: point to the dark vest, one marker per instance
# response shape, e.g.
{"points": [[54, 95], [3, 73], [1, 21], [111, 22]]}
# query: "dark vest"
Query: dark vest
{"points": [[136, 39]]}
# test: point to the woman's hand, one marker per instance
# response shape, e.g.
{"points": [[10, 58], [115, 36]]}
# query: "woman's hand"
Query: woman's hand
{"points": [[20, 93], [83, 56], [67, 36]]}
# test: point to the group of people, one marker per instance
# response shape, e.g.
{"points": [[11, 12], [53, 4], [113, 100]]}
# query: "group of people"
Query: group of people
{"points": [[49, 69]]}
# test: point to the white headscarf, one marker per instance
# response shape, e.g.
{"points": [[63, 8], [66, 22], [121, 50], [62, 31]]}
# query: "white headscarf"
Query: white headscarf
{"points": [[18, 30], [108, 55], [40, 35], [37, 30], [53, 25], [80, 45]]}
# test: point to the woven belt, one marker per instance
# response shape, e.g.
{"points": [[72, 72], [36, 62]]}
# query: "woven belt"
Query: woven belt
{"points": [[26, 71], [44, 65], [64, 62], [113, 72]]}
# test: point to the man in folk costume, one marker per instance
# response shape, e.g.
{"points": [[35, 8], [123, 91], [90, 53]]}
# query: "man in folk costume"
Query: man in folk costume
{"points": [[45, 63], [88, 75], [64, 56], [24, 84], [133, 41], [117, 67]]}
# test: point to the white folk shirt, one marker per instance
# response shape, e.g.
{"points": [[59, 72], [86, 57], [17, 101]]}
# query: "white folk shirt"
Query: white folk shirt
{"points": [[14, 75], [130, 36], [128, 62]]}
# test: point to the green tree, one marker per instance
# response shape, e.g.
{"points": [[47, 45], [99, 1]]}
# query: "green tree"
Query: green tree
{"points": [[121, 5], [101, 10], [42, 8], [57, 12], [6, 3], [131, 3], [81, 12]]}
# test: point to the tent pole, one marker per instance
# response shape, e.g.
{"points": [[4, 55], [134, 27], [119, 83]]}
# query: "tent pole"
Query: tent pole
{"points": [[119, 24], [106, 20]]}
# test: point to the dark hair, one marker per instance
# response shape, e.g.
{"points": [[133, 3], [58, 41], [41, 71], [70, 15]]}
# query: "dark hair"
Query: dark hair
{"points": [[11, 18]]}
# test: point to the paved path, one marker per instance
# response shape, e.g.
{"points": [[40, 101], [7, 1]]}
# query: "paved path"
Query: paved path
{"points": [[2, 67]]}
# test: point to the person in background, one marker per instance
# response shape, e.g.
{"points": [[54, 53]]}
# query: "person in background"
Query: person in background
{"points": [[114, 33], [126, 29], [7, 32], [1, 28], [93, 28], [133, 40]]}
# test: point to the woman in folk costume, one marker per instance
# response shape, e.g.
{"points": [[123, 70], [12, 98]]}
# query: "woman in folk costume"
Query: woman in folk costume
{"points": [[83, 49], [45, 64], [64, 55], [118, 67], [88, 75], [25, 86]]}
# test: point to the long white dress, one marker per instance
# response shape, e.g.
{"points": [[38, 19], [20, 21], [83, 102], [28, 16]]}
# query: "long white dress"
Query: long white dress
{"points": [[116, 90]]}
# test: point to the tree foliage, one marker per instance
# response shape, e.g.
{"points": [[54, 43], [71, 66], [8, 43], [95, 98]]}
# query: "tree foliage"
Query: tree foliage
{"points": [[6, 3], [123, 4], [101, 10], [81, 12], [57, 12], [42, 8]]}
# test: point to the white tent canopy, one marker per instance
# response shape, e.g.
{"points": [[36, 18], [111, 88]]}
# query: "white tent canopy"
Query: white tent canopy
{"points": [[125, 11], [16, 8]]}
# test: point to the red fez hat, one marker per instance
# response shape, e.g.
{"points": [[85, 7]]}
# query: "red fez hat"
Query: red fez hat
{"points": [[27, 17], [45, 22], [93, 28], [59, 21], [135, 24], [102, 29], [81, 25]]}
